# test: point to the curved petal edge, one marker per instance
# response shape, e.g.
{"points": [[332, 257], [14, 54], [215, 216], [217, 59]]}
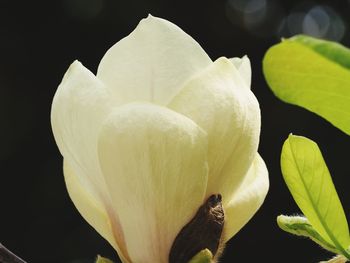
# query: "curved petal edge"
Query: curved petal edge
{"points": [[152, 63], [248, 199], [155, 164]]}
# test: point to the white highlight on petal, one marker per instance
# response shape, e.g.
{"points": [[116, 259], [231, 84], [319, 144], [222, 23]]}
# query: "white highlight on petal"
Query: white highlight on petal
{"points": [[219, 102], [244, 68], [152, 63], [154, 163], [247, 199]]}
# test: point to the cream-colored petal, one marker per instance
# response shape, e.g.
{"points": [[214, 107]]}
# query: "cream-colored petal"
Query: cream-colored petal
{"points": [[154, 162], [219, 102], [244, 68], [247, 199], [152, 63], [80, 105], [91, 209]]}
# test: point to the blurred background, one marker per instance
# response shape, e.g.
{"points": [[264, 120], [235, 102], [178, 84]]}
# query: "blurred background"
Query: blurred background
{"points": [[39, 40]]}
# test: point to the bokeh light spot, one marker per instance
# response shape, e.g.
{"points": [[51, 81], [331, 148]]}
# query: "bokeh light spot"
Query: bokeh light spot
{"points": [[295, 23], [250, 13], [317, 21], [259, 17], [255, 13]]}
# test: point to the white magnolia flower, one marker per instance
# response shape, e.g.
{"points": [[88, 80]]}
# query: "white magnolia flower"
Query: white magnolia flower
{"points": [[159, 129]]}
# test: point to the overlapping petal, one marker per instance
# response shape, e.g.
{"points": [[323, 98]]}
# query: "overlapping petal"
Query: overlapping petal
{"points": [[80, 105], [247, 199], [157, 131], [244, 68], [219, 102], [154, 163], [94, 212], [152, 63]]}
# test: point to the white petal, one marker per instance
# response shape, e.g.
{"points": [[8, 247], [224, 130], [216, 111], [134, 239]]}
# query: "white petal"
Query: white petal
{"points": [[244, 68], [80, 105], [219, 102], [154, 162], [247, 199], [152, 63], [94, 212]]}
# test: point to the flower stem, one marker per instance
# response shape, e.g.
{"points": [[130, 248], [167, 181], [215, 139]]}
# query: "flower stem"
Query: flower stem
{"points": [[6, 256]]}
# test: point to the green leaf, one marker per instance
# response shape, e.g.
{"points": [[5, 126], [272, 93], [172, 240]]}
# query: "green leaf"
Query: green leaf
{"points": [[313, 74], [204, 256], [300, 226], [333, 51], [310, 183], [100, 259]]}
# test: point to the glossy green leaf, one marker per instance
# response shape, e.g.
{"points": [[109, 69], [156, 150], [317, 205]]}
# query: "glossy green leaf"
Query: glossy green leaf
{"points": [[300, 226], [314, 74], [100, 259], [333, 51], [310, 183], [204, 256]]}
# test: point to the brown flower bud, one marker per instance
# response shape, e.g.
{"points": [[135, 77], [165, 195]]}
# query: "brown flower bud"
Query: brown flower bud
{"points": [[203, 231]]}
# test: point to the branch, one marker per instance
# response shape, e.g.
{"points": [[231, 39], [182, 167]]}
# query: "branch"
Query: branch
{"points": [[6, 256]]}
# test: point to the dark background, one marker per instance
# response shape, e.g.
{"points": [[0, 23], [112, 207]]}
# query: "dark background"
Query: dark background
{"points": [[39, 40]]}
